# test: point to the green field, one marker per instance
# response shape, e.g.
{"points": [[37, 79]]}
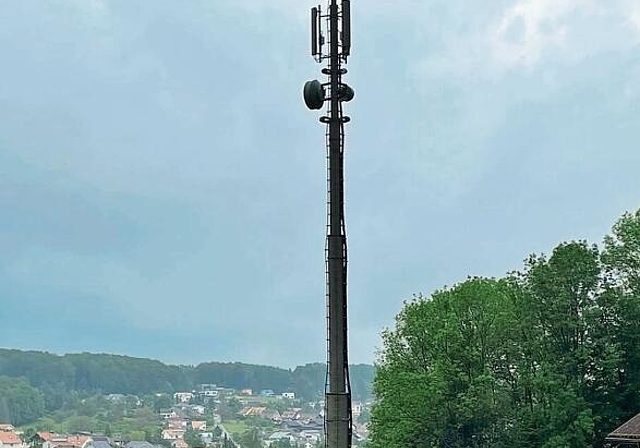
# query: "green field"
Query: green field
{"points": [[235, 427]]}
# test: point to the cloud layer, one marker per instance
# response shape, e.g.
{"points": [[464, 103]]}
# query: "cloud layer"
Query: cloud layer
{"points": [[162, 185]]}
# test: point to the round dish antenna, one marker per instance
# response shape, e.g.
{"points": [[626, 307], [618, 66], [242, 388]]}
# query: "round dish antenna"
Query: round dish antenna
{"points": [[314, 94]]}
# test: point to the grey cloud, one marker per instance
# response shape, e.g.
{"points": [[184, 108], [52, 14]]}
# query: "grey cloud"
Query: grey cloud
{"points": [[162, 180]]}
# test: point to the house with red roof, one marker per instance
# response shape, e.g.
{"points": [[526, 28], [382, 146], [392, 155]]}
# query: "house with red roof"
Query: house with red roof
{"points": [[64, 441], [9, 439]]}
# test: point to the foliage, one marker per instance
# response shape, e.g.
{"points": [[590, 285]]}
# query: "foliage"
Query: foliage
{"points": [[57, 375], [19, 402], [235, 427], [546, 357], [62, 379], [193, 439], [308, 381], [251, 439], [126, 417], [240, 376]]}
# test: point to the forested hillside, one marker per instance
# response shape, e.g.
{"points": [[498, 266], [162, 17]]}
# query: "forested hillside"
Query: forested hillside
{"points": [[546, 357], [306, 381], [56, 376]]}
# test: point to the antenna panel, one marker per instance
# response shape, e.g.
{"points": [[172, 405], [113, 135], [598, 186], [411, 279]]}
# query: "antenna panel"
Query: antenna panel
{"points": [[320, 36], [314, 31], [346, 27]]}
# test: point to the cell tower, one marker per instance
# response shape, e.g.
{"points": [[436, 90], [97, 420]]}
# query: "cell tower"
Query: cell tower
{"points": [[337, 21]]}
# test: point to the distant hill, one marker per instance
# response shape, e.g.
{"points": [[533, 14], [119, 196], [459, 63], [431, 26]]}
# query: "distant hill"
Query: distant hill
{"points": [[57, 375]]}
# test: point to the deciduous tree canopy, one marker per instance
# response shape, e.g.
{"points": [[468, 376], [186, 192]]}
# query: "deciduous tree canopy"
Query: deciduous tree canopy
{"points": [[547, 357], [19, 402]]}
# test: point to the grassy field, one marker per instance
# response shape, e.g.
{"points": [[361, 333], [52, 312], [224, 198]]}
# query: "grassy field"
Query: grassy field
{"points": [[235, 427]]}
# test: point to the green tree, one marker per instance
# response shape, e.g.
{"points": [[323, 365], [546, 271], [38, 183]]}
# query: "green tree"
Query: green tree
{"points": [[435, 382], [193, 439], [516, 361], [229, 409], [529, 360], [80, 423], [20, 403], [620, 320], [161, 402], [251, 439]]}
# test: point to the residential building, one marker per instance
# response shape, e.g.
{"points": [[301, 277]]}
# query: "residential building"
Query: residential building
{"points": [[173, 434], [100, 442], [168, 413], [64, 441], [207, 437], [199, 425], [253, 411], [140, 445], [211, 393], [292, 414], [9, 439], [356, 409], [177, 423], [280, 435], [46, 435], [183, 397], [273, 415], [626, 435]]}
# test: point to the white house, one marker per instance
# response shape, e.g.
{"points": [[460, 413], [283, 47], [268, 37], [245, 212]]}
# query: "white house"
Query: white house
{"points": [[183, 397], [356, 409], [173, 434], [168, 414], [289, 395]]}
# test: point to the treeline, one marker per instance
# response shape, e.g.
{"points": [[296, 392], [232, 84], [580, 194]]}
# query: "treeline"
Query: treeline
{"points": [[546, 357], [57, 377], [306, 381]]}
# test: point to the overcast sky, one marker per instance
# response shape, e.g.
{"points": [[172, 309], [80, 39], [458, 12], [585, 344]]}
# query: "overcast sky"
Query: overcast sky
{"points": [[162, 186]]}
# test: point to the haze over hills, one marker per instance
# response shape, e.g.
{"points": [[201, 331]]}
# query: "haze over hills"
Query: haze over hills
{"points": [[107, 373]]}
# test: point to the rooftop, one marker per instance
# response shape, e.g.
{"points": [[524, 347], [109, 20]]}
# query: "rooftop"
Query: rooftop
{"points": [[630, 430]]}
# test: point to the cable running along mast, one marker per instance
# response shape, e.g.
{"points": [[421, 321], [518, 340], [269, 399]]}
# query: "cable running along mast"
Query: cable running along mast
{"points": [[337, 20]]}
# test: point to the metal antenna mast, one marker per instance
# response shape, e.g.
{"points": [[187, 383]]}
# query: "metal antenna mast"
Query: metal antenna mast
{"points": [[338, 419]]}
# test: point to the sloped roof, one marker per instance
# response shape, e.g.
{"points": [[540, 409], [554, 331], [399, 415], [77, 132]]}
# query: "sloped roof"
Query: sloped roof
{"points": [[139, 445], [279, 435], [101, 444], [9, 438], [628, 430], [78, 440], [46, 435]]}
